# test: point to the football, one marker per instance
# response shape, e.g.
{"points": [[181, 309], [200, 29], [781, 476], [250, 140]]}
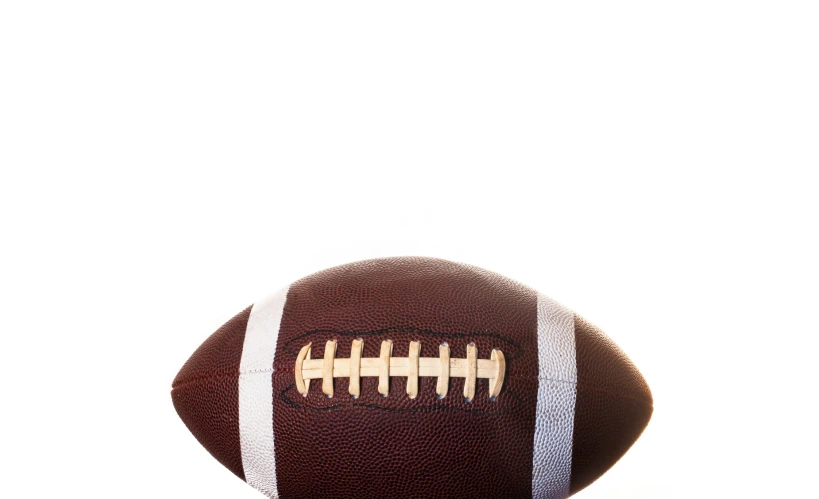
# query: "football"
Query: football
{"points": [[412, 378]]}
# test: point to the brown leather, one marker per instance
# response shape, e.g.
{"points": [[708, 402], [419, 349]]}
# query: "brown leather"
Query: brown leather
{"points": [[370, 447], [396, 446], [206, 393], [613, 405]]}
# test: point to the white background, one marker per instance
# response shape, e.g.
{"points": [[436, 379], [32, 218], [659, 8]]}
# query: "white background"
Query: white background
{"points": [[651, 165]]}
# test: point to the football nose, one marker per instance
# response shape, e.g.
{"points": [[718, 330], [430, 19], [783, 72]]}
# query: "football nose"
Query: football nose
{"points": [[205, 393], [613, 405]]}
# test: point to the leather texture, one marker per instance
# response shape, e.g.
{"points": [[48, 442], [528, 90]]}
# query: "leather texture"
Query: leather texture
{"points": [[256, 396], [614, 405], [375, 447], [426, 447], [205, 393], [556, 393]]}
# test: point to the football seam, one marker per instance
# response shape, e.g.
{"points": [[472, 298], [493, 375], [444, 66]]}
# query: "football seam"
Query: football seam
{"points": [[204, 377], [212, 376], [209, 376], [620, 395]]}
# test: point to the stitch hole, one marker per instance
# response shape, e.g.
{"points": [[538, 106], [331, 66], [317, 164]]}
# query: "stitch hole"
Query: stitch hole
{"points": [[444, 344], [468, 401], [492, 399]]}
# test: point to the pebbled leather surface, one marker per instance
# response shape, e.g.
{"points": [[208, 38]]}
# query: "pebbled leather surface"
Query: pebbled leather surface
{"points": [[398, 447], [255, 395], [552, 463], [205, 393], [614, 405], [376, 447]]}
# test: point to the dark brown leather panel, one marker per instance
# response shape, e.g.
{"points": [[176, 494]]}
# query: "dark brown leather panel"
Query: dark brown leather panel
{"points": [[209, 408], [206, 392], [374, 447], [220, 354], [613, 405]]}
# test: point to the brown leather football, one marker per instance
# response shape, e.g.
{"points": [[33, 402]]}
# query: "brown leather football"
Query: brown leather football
{"points": [[416, 378]]}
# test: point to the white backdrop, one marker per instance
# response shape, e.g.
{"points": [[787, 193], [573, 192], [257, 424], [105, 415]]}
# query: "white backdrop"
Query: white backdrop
{"points": [[650, 165]]}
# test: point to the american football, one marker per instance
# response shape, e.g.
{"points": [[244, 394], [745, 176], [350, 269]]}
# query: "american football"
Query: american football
{"points": [[412, 378]]}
